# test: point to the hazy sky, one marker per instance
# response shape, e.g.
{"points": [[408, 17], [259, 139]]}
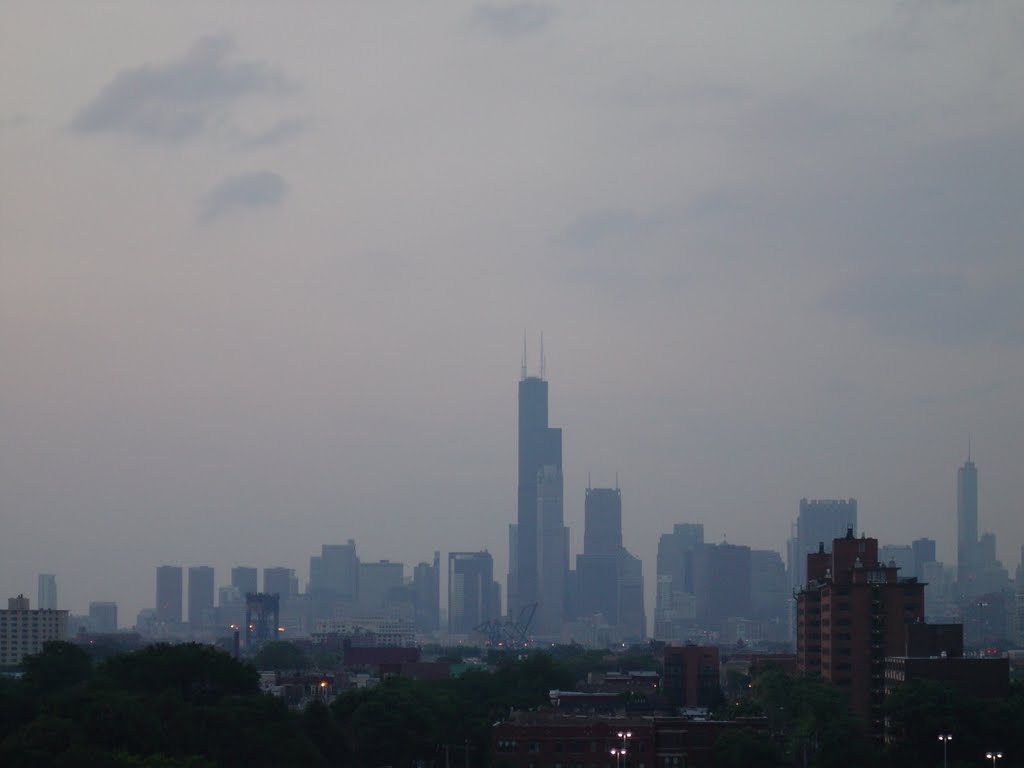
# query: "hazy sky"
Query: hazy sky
{"points": [[265, 270]]}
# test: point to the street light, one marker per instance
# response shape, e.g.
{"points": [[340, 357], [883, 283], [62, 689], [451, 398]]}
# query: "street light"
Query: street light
{"points": [[945, 738], [993, 756], [620, 755], [625, 736]]}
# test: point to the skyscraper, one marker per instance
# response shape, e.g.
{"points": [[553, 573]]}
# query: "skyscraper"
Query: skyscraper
{"points": [[967, 524], [472, 591], [924, 552], [200, 596], [280, 581], [376, 580], [552, 553], [103, 616], [426, 580], [168, 594], [721, 580], [540, 469], [47, 592], [609, 580], [244, 580], [820, 521], [675, 602], [335, 572], [602, 521]]}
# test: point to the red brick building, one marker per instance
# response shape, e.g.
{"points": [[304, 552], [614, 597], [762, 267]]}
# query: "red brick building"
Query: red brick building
{"points": [[553, 740], [853, 613], [691, 677]]}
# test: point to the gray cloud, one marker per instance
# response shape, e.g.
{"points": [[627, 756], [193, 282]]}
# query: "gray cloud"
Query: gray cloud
{"points": [[941, 307], [173, 102], [255, 189], [513, 19], [278, 133], [609, 226]]}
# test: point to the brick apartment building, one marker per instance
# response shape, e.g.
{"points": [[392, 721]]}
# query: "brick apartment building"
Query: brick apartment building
{"points": [[691, 677], [852, 613], [553, 740]]}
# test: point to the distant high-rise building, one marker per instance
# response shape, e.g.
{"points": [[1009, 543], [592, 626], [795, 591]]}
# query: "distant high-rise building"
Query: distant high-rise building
{"points": [[103, 616], [602, 521], [200, 596], [281, 582], [168, 594], [553, 553], [426, 581], [540, 468], [902, 555], [967, 525], [924, 552], [820, 522], [721, 578], [675, 604], [244, 580], [597, 586], [335, 572], [47, 592], [471, 591], [770, 595], [376, 580], [632, 617]]}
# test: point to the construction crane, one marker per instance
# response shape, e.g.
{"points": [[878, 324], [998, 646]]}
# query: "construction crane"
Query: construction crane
{"points": [[507, 633]]}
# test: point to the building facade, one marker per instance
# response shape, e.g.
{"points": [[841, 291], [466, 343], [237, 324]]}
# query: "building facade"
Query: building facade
{"points": [[244, 580], [819, 521], [472, 591], [852, 613], [169, 595], [47, 592], [103, 617], [539, 471], [23, 630], [675, 598], [967, 525], [200, 596]]}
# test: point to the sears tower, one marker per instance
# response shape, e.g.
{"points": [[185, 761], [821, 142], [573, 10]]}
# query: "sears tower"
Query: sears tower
{"points": [[536, 542]]}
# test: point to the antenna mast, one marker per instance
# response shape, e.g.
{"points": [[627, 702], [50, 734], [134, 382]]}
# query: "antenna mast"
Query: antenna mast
{"points": [[522, 373], [543, 362]]}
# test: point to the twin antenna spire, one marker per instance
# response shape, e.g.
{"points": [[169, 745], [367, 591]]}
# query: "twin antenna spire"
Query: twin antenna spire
{"points": [[543, 360]]}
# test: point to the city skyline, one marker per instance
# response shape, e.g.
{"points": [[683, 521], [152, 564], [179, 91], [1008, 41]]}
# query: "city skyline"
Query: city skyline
{"points": [[261, 292]]}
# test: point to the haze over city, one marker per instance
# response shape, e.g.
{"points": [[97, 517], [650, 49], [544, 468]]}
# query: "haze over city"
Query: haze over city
{"points": [[265, 275]]}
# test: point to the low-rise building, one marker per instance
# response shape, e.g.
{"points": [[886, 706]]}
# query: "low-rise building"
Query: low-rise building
{"points": [[550, 738]]}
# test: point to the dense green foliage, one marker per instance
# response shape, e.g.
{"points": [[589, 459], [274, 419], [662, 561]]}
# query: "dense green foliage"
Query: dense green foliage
{"points": [[166, 706], [281, 655], [191, 706], [178, 706]]}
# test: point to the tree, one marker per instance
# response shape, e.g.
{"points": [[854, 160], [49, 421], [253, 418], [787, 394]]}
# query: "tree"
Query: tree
{"points": [[201, 674], [58, 666], [281, 655], [745, 747]]}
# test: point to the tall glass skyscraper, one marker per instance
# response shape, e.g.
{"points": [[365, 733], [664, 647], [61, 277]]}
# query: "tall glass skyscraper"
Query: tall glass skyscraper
{"points": [[540, 468], [966, 523]]}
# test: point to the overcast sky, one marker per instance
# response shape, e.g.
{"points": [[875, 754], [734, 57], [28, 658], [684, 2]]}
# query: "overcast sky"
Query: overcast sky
{"points": [[265, 272]]}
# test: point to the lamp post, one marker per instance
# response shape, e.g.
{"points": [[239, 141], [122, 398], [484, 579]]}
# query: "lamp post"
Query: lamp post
{"points": [[625, 736], [620, 755], [993, 756], [945, 738]]}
